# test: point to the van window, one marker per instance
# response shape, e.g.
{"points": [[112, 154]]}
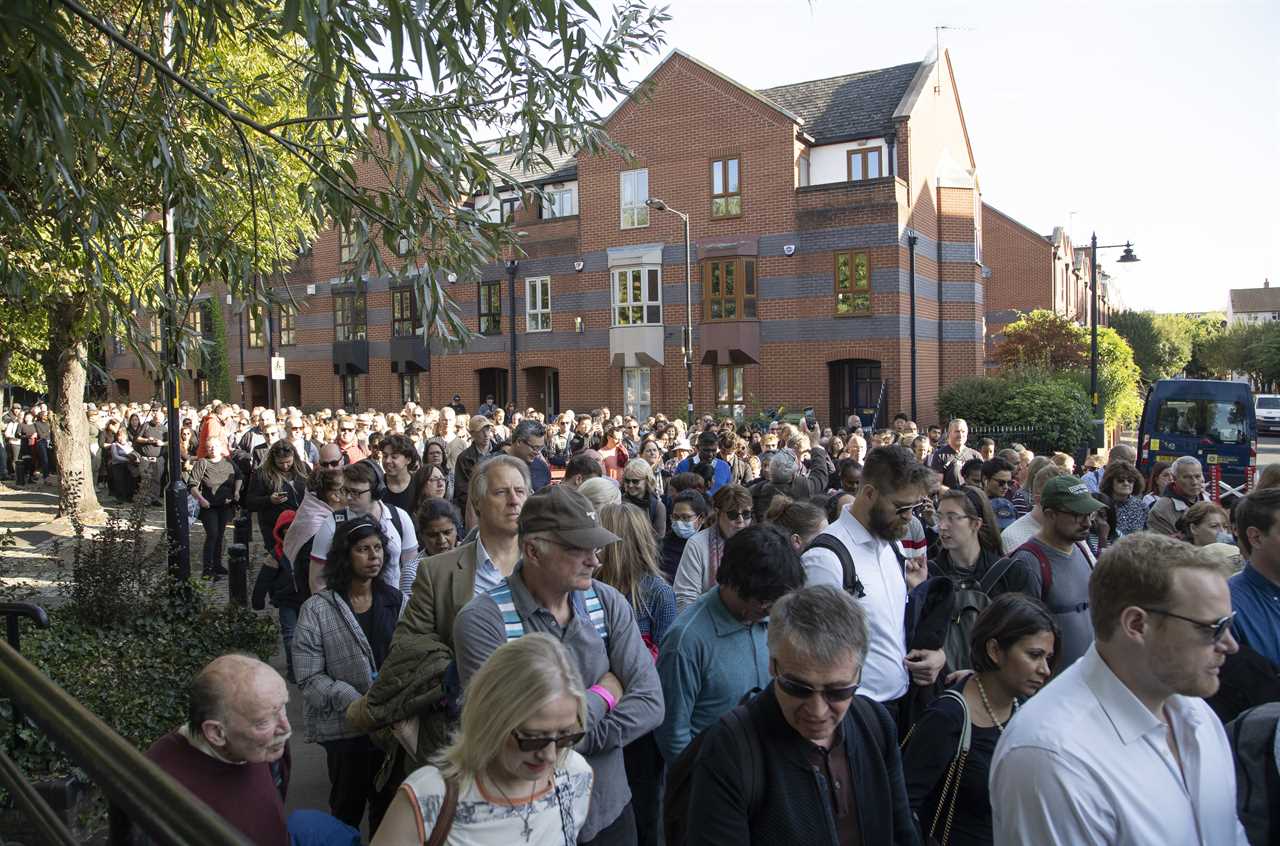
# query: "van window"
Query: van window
{"points": [[1269, 403], [1218, 420]]}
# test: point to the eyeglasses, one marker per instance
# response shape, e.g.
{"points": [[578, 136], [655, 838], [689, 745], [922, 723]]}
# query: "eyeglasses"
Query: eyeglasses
{"points": [[735, 516], [952, 517], [576, 550], [800, 690], [1217, 629], [537, 744], [346, 430], [355, 491], [332, 464], [904, 510]]}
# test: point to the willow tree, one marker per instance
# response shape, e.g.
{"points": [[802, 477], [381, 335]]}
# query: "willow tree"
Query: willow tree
{"points": [[248, 118]]}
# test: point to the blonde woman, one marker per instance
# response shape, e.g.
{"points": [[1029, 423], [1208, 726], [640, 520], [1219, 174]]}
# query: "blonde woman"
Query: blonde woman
{"points": [[511, 775], [640, 488], [632, 567]]}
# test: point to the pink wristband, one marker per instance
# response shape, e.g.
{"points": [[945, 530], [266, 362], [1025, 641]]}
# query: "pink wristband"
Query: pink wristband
{"points": [[609, 702]]}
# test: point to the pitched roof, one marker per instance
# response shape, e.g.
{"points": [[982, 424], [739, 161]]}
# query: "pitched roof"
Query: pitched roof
{"points": [[560, 167], [856, 105], [1255, 299]]}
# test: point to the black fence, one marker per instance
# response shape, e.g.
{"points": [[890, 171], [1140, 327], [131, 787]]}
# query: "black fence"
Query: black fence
{"points": [[139, 793]]}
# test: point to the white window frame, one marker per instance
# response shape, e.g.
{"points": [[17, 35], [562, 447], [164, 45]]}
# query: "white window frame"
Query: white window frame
{"points": [[633, 191], [730, 401], [637, 392], [346, 244], [537, 304], [626, 309], [561, 202]]}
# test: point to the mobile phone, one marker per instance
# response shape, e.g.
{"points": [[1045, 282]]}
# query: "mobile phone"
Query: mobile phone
{"points": [[809, 417]]}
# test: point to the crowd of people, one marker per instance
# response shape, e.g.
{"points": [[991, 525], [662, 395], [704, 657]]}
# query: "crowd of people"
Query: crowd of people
{"points": [[790, 632]]}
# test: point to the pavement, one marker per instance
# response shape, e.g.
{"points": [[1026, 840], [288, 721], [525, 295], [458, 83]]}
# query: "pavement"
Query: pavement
{"points": [[41, 554]]}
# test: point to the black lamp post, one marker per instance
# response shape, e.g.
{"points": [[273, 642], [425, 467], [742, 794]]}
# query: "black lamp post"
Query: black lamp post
{"points": [[1127, 257], [911, 277], [513, 267], [657, 205]]}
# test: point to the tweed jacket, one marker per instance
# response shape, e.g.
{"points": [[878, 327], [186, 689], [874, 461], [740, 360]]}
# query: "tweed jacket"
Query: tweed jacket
{"points": [[333, 662]]}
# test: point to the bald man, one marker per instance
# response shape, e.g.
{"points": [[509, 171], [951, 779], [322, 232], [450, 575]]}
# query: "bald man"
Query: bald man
{"points": [[233, 751]]}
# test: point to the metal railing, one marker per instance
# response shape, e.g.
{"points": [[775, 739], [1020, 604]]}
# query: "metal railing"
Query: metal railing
{"points": [[139, 792]]}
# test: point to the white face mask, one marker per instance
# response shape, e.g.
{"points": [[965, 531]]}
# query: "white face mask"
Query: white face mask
{"points": [[684, 528], [1224, 536]]}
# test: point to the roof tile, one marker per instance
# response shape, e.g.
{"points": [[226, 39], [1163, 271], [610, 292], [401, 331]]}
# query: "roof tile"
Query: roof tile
{"points": [[856, 105]]}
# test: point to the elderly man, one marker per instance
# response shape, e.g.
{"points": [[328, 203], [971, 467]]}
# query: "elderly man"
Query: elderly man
{"points": [[829, 769], [481, 429], [1186, 490], [1120, 452], [788, 476], [233, 751], [552, 591], [949, 458], [1121, 748], [528, 440], [413, 677]]}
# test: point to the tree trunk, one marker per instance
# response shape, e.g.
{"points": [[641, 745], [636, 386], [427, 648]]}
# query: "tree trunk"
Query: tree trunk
{"points": [[67, 376]]}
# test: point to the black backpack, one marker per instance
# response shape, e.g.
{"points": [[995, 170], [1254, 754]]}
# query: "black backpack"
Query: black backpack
{"points": [[1252, 737], [969, 599], [852, 583]]}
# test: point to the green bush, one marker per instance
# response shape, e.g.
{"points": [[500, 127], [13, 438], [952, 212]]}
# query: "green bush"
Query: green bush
{"points": [[1044, 411]]}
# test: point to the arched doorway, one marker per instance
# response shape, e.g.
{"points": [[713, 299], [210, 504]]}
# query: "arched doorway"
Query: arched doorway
{"points": [[542, 390], [855, 386], [291, 391], [493, 382], [258, 396]]}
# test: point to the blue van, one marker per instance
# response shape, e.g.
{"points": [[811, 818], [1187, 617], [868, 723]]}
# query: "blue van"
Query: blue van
{"points": [[1210, 419]]}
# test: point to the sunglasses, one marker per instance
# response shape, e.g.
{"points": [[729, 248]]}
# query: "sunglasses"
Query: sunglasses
{"points": [[734, 516], [800, 690], [348, 431], [537, 744], [331, 464], [1217, 629], [1004, 483], [904, 510]]}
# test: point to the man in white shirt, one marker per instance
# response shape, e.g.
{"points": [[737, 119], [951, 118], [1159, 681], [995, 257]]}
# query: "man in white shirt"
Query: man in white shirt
{"points": [[1025, 527], [1121, 748], [893, 484]]}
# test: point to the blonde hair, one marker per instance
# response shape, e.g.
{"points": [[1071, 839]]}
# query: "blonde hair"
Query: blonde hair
{"points": [[625, 564], [519, 678], [638, 468], [601, 492]]}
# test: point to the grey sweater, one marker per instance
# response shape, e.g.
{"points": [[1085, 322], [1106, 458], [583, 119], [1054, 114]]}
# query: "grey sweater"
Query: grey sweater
{"points": [[479, 630]]}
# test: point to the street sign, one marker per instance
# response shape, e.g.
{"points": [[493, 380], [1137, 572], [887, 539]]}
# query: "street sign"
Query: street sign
{"points": [[277, 368], [239, 377]]}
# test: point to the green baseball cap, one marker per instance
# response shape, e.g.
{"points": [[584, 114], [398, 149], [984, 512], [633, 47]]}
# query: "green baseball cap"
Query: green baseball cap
{"points": [[1068, 493]]}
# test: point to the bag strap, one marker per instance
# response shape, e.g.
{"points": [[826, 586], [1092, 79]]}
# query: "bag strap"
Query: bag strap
{"points": [[955, 772], [739, 720], [1046, 571], [444, 822], [995, 574], [833, 544]]}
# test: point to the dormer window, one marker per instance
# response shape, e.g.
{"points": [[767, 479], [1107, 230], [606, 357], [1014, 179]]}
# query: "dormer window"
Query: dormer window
{"points": [[866, 163]]}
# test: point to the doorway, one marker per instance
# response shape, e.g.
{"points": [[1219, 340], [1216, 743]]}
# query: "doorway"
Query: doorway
{"points": [[493, 380], [855, 385], [542, 391]]}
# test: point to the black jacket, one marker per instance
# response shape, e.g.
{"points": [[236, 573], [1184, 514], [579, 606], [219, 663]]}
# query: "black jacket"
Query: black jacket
{"points": [[800, 488], [795, 805], [257, 498]]}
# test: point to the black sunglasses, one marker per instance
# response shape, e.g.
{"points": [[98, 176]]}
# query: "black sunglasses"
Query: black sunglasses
{"points": [[336, 463], [800, 690], [738, 515], [537, 744], [1217, 629]]}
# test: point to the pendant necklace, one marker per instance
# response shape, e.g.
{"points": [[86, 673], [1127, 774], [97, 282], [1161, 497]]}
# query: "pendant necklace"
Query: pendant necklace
{"points": [[526, 830], [990, 713]]}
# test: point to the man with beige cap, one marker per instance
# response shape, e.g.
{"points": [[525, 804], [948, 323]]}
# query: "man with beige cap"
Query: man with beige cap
{"points": [[481, 429]]}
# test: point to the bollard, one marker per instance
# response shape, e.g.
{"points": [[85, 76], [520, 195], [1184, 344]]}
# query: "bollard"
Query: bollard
{"points": [[238, 581]]}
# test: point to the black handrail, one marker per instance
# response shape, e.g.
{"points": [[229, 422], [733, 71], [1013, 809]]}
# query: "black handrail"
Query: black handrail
{"points": [[162, 807], [51, 829], [13, 611]]}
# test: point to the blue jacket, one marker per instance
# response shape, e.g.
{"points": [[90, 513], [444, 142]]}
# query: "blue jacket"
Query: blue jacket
{"points": [[722, 473], [1256, 601]]}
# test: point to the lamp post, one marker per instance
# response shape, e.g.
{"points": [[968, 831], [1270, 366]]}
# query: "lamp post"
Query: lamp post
{"points": [[911, 276], [1127, 257], [657, 205], [512, 267]]}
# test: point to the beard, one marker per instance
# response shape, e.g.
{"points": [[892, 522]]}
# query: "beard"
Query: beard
{"points": [[887, 527]]}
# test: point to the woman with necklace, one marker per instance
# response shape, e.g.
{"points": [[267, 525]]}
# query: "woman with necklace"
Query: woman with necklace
{"points": [[343, 636], [511, 776], [1013, 644]]}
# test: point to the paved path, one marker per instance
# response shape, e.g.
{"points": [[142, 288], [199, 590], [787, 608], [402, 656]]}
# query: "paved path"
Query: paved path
{"points": [[35, 561]]}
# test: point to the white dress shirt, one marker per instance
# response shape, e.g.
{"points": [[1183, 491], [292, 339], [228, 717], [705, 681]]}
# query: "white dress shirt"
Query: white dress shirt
{"points": [[1084, 762], [884, 675]]}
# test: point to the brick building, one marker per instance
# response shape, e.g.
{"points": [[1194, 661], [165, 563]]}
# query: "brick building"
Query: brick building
{"points": [[1025, 271], [802, 202]]}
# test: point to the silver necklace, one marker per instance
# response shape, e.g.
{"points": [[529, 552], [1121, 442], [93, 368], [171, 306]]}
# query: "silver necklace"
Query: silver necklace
{"points": [[985, 704], [526, 830]]}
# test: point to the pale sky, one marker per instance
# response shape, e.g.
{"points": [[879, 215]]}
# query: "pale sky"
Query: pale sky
{"points": [[1155, 122]]}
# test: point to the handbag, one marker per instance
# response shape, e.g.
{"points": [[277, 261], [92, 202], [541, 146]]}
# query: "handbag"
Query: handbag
{"points": [[951, 782]]}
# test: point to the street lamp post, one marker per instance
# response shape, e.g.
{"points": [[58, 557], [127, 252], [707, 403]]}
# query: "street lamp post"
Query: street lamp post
{"points": [[513, 266], [1127, 257], [657, 205], [911, 276]]}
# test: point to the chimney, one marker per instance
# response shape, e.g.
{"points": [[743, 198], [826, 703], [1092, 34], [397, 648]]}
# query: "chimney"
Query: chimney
{"points": [[1266, 283]]}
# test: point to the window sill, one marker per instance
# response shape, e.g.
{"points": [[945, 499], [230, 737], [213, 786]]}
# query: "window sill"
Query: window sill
{"points": [[726, 216], [536, 331], [638, 226], [854, 314]]}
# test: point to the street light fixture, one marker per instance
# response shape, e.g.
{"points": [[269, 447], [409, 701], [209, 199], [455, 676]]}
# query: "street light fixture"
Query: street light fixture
{"points": [[1127, 257], [657, 205]]}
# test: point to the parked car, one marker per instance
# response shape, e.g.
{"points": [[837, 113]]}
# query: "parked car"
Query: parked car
{"points": [[1267, 411]]}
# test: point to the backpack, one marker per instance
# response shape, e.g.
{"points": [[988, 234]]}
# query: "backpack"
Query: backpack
{"points": [[969, 599], [1046, 574], [751, 761], [852, 583], [1252, 737]]}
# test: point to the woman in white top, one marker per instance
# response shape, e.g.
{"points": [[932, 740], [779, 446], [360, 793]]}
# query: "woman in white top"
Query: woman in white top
{"points": [[511, 771]]}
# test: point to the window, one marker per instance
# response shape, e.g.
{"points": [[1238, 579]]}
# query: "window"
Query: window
{"points": [[349, 317], [853, 284], [201, 385], [537, 304], [156, 334], [729, 289], [117, 346], [257, 329], [405, 318], [408, 387], [726, 196], [802, 171], [198, 319], [350, 392], [490, 308], [346, 244], [730, 395], [637, 296], [1214, 421], [633, 191], [507, 209], [864, 164], [636, 398], [288, 317], [560, 202]]}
